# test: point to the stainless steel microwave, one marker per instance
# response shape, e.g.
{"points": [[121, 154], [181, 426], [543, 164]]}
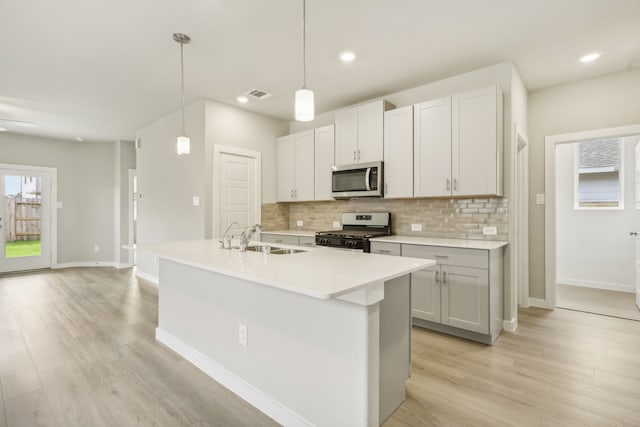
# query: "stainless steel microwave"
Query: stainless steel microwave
{"points": [[358, 180]]}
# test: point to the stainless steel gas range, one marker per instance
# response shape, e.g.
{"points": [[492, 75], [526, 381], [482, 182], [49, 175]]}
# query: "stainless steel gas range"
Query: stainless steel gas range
{"points": [[357, 229]]}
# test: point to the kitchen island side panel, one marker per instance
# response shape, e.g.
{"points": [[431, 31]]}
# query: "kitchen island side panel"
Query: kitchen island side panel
{"points": [[317, 358]]}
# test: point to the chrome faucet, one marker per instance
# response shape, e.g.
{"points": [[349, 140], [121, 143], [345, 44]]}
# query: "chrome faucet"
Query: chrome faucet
{"points": [[246, 236], [226, 240]]}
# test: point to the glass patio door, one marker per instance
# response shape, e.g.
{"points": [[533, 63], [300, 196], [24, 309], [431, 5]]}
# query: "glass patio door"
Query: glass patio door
{"points": [[25, 219]]}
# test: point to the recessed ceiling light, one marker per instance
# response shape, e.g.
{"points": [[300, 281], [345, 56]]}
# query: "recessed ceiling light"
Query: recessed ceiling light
{"points": [[347, 56], [590, 57], [3, 129], [19, 123], [79, 138], [242, 99]]}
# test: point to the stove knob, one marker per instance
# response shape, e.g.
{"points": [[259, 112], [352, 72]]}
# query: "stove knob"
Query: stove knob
{"points": [[324, 241]]}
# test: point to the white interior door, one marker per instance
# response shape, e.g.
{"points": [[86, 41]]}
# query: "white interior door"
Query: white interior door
{"points": [[236, 188], [25, 219]]}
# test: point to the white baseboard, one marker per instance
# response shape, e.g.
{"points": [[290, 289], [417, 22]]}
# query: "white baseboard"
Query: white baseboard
{"points": [[85, 264], [510, 325], [146, 276], [125, 265], [255, 397], [620, 287], [540, 303]]}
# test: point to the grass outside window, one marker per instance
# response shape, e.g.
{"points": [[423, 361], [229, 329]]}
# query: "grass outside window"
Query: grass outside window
{"points": [[22, 248]]}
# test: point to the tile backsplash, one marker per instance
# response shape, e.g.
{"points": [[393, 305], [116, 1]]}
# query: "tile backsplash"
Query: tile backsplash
{"points": [[452, 218]]}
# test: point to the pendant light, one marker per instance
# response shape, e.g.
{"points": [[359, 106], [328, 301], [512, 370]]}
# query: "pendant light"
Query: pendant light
{"points": [[183, 143], [304, 105]]}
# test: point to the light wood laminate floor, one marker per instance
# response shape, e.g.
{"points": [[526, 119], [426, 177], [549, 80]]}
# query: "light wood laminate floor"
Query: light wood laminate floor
{"points": [[77, 348], [599, 301]]}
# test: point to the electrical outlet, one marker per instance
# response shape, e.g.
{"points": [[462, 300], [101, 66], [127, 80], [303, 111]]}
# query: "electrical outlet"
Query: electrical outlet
{"points": [[336, 224], [59, 205], [242, 335], [539, 199], [96, 248], [299, 223], [196, 201], [490, 231], [416, 227]]}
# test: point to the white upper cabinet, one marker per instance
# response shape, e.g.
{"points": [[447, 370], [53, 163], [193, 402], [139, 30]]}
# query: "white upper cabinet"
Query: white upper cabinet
{"points": [[477, 142], [359, 133], [432, 148], [398, 152], [458, 145], [324, 153], [296, 167]]}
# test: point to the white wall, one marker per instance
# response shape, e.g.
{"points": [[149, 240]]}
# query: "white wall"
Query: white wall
{"points": [[591, 104], [168, 182], [593, 246], [85, 188]]}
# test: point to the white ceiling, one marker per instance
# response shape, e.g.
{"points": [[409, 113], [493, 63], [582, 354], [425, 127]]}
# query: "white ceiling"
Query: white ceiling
{"points": [[100, 69]]}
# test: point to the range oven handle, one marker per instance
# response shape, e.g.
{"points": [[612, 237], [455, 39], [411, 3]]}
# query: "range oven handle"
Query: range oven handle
{"points": [[367, 178]]}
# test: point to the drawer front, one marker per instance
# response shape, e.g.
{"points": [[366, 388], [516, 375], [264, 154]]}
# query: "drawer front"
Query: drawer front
{"points": [[474, 258], [280, 238], [307, 241], [384, 248]]}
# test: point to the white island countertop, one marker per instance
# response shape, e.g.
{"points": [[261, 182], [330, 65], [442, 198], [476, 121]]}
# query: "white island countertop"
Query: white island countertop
{"points": [[438, 241], [323, 273]]}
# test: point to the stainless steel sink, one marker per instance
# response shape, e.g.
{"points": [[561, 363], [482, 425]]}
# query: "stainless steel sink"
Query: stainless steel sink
{"points": [[275, 250]]}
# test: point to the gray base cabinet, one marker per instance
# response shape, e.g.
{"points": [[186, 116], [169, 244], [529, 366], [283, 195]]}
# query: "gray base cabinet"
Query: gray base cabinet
{"points": [[460, 295]]}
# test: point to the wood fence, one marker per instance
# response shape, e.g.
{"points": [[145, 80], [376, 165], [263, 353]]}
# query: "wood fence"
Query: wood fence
{"points": [[22, 218]]}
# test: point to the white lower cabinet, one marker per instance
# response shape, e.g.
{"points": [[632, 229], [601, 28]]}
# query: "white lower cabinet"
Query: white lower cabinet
{"points": [[460, 295]]}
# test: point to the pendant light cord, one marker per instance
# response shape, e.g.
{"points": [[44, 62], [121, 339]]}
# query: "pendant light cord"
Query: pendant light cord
{"points": [[304, 44], [182, 81]]}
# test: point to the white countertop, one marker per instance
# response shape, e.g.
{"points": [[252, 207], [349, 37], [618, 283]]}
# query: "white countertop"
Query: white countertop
{"points": [[438, 241], [302, 233], [318, 272]]}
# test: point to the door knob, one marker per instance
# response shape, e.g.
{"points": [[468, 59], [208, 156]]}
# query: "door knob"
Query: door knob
{"points": [[633, 233]]}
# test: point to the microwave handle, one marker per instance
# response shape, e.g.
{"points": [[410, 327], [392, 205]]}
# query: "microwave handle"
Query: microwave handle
{"points": [[367, 179]]}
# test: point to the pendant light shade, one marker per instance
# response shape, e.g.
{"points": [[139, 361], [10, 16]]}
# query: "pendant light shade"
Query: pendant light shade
{"points": [[183, 143], [304, 101], [304, 105]]}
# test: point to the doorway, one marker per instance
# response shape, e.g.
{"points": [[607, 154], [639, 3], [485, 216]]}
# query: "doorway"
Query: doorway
{"points": [[590, 210], [236, 188], [26, 233]]}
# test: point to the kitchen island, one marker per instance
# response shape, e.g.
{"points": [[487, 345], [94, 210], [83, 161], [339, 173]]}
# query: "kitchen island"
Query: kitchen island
{"points": [[320, 337]]}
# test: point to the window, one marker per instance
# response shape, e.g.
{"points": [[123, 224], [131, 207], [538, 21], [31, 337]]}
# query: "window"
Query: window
{"points": [[599, 174]]}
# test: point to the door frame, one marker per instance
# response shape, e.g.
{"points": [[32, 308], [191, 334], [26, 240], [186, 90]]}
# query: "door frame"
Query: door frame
{"points": [[550, 239], [53, 207], [218, 150], [131, 173], [522, 216]]}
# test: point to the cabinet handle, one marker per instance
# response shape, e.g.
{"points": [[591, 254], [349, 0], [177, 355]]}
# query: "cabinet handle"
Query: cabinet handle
{"points": [[295, 193], [354, 155], [455, 184], [441, 256], [448, 184], [278, 240], [292, 194], [444, 277], [358, 154], [384, 251], [437, 276]]}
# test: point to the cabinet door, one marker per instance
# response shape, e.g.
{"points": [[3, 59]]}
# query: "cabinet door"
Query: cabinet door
{"points": [[475, 147], [304, 166], [432, 148], [398, 152], [465, 298], [370, 132], [425, 294], [346, 122], [285, 171], [307, 241], [323, 161]]}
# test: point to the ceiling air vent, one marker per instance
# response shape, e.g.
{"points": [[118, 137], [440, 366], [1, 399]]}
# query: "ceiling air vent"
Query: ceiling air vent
{"points": [[258, 94]]}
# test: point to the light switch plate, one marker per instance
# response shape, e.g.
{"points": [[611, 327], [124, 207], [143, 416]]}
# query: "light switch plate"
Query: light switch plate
{"points": [[242, 335], [539, 199], [196, 201], [336, 224], [59, 205], [416, 227], [299, 223], [489, 231]]}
